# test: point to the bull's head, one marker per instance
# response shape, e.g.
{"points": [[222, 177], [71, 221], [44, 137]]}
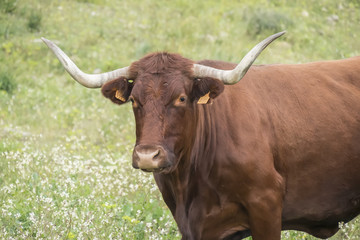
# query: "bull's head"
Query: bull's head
{"points": [[164, 89]]}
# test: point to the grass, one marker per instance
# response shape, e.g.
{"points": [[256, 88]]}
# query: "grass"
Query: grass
{"points": [[65, 151]]}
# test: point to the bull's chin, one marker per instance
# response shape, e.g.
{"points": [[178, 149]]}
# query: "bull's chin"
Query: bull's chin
{"points": [[161, 170], [154, 170]]}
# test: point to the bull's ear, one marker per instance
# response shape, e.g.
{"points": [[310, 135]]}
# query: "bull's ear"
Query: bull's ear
{"points": [[118, 90], [206, 89]]}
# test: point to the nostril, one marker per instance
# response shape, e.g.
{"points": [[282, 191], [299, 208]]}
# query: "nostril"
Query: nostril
{"points": [[149, 157], [157, 154]]}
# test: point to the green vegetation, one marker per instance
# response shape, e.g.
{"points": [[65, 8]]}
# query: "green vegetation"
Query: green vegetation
{"points": [[65, 151], [34, 21], [8, 6], [7, 83]]}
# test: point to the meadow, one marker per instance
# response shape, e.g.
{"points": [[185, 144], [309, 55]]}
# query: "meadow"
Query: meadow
{"points": [[65, 151]]}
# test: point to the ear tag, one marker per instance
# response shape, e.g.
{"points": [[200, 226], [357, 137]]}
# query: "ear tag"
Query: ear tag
{"points": [[204, 99], [119, 96]]}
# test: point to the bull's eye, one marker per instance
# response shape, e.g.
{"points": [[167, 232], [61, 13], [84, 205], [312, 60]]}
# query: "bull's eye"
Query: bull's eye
{"points": [[180, 101]]}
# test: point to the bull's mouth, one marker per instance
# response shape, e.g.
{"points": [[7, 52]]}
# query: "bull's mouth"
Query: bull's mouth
{"points": [[154, 170]]}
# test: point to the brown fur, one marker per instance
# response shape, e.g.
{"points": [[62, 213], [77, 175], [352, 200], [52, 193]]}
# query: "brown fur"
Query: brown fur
{"points": [[278, 150]]}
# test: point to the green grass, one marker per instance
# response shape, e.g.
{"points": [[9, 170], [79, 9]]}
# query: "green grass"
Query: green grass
{"points": [[65, 151]]}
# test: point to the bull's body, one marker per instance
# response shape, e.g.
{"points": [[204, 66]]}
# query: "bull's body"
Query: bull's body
{"points": [[278, 150], [289, 130]]}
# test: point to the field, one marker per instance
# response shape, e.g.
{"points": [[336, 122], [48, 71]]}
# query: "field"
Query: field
{"points": [[65, 151]]}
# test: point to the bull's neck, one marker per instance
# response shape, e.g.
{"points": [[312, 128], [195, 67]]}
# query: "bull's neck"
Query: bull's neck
{"points": [[189, 180], [204, 146], [198, 156]]}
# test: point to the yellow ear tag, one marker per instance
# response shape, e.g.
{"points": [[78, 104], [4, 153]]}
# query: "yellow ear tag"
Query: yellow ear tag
{"points": [[119, 96], [204, 99]]}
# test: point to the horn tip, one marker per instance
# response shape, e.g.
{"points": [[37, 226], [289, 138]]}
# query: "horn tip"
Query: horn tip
{"points": [[281, 33], [47, 41], [44, 39]]}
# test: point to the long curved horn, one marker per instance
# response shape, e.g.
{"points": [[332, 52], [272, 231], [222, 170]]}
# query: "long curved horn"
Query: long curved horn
{"points": [[87, 80], [235, 75]]}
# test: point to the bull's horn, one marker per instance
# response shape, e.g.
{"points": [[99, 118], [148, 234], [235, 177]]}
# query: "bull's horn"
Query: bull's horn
{"points": [[235, 75], [87, 80]]}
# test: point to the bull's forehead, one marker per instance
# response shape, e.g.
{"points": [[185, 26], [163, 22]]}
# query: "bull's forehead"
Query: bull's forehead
{"points": [[161, 76], [164, 87], [162, 63]]}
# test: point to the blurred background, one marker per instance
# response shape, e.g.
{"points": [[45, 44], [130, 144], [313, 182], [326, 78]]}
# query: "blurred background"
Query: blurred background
{"points": [[65, 151]]}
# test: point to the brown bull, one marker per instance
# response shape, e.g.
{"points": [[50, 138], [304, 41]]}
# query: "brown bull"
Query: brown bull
{"points": [[279, 150]]}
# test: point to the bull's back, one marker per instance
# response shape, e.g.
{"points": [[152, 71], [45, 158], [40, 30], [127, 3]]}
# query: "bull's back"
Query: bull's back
{"points": [[314, 110], [309, 115]]}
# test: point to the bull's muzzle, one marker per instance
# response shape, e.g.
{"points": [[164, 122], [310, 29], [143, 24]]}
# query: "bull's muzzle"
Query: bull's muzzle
{"points": [[150, 158]]}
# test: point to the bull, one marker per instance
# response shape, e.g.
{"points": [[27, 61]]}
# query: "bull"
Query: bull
{"points": [[278, 150]]}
